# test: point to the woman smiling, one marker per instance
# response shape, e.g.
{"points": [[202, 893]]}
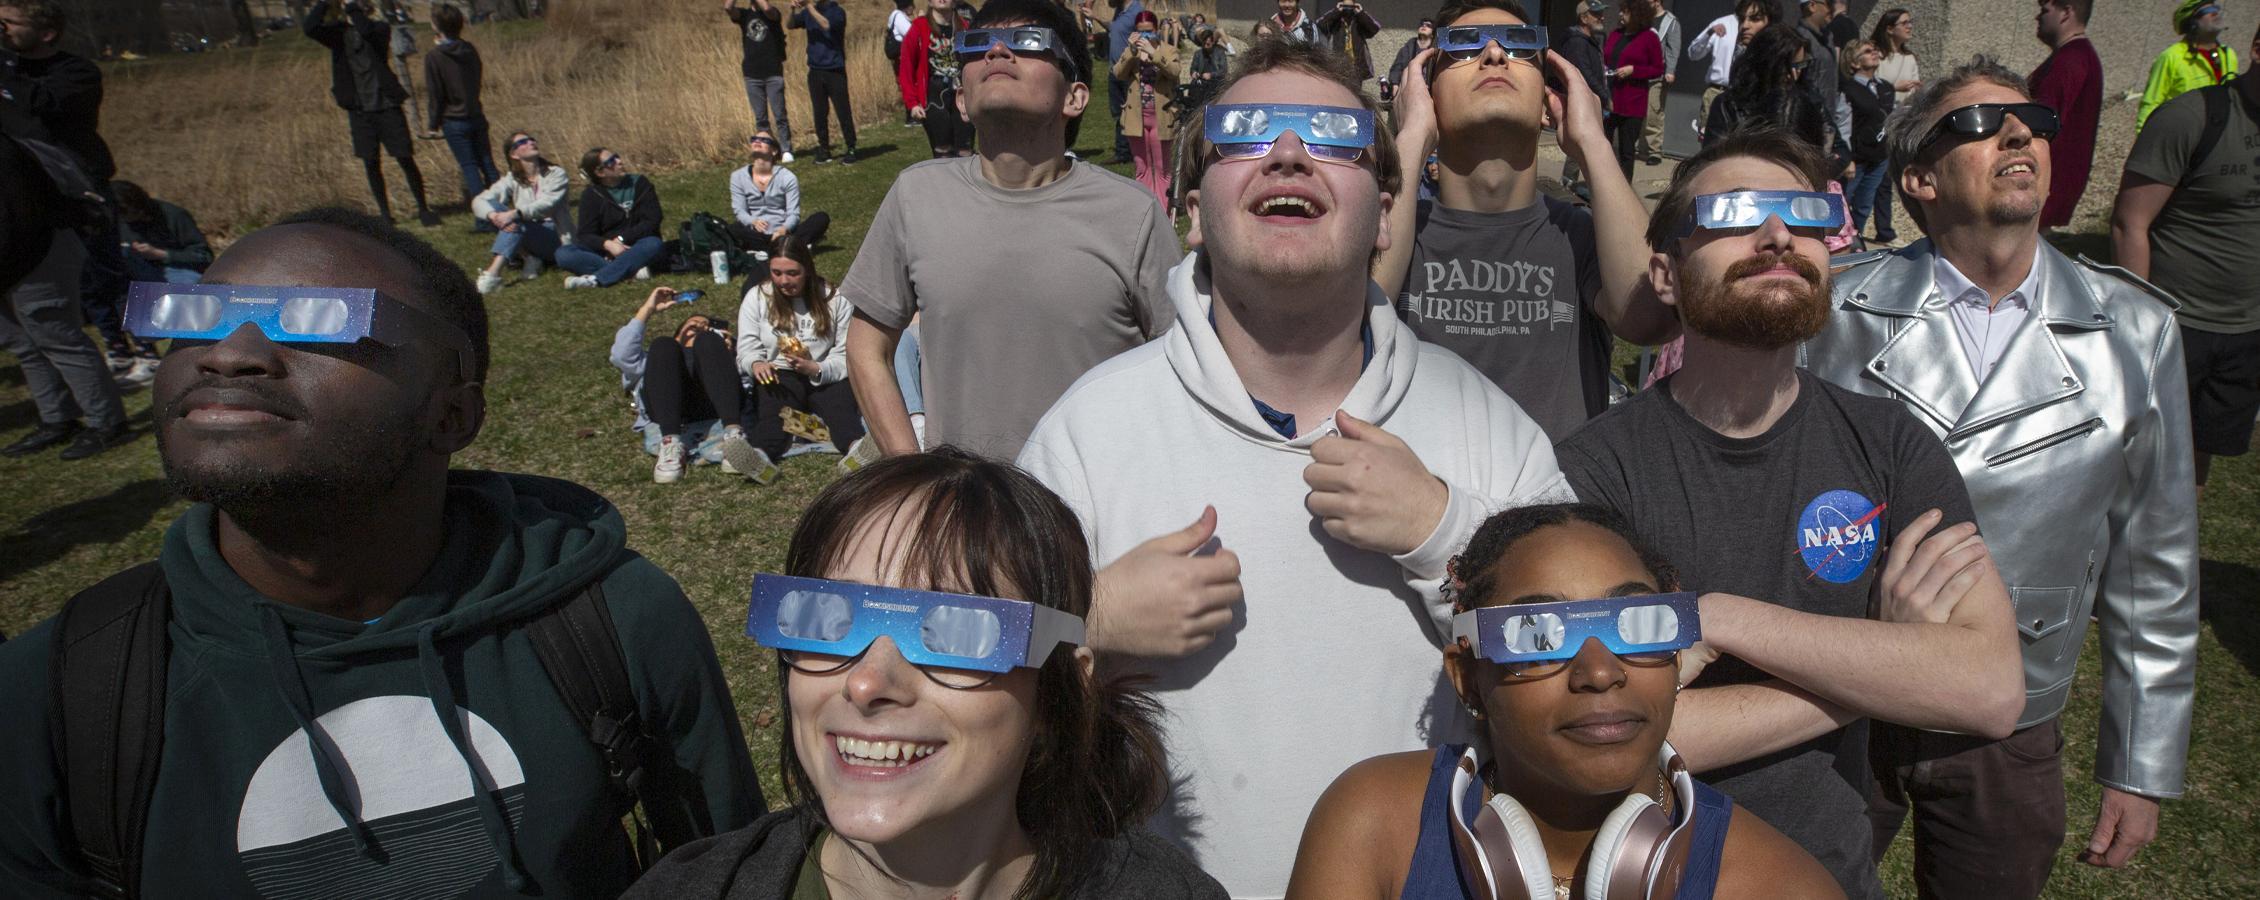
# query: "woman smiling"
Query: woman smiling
{"points": [[1571, 790], [943, 733]]}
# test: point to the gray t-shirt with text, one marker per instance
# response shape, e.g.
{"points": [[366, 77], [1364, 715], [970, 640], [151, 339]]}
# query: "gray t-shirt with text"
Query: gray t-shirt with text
{"points": [[1512, 293], [2201, 241], [1019, 292]]}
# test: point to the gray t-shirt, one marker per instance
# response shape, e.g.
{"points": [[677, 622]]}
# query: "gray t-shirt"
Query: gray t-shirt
{"points": [[1794, 517], [2200, 242], [1019, 292], [1512, 293]]}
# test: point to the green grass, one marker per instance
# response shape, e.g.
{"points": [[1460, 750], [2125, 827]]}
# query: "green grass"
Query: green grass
{"points": [[555, 408]]}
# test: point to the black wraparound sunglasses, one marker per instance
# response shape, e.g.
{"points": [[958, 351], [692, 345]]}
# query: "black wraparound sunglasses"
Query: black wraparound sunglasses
{"points": [[1983, 119]]}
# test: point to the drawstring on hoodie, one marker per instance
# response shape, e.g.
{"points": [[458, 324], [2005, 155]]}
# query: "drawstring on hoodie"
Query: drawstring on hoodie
{"points": [[295, 696], [442, 694]]}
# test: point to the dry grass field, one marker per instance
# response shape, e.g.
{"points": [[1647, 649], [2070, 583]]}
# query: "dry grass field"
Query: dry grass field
{"points": [[246, 135]]}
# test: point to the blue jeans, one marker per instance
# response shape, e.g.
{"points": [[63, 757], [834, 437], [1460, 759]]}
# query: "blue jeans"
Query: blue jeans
{"points": [[535, 239], [907, 371], [1866, 179], [581, 260], [467, 139]]}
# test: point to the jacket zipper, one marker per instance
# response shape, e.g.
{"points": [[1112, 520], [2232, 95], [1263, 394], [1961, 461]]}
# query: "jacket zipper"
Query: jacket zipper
{"points": [[2016, 453]]}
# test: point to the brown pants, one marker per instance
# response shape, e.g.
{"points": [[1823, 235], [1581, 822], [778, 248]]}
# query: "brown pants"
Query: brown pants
{"points": [[1652, 134], [1989, 815]]}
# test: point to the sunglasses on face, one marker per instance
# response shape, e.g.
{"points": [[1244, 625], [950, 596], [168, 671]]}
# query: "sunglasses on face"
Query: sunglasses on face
{"points": [[1985, 119], [1808, 213], [522, 142], [289, 315], [1019, 39], [612, 163], [1465, 42], [771, 142], [1335, 134], [960, 641]]}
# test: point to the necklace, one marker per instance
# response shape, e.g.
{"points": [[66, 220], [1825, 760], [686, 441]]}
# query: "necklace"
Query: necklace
{"points": [[1561, 888]]}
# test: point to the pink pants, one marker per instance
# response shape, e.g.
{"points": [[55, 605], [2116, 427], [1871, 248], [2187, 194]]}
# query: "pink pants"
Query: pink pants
{"points": [[1151, 154]]}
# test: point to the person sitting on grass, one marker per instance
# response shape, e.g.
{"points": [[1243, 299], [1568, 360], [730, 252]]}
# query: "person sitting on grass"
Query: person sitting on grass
{"points": [[528, 208], [683, 378], [1017, 774], [1567, 746], [620, 219], [765, 199], [794, 347], [161, 240]]}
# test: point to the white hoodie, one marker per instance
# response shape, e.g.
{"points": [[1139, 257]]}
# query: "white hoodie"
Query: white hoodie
{"points": [[1335, 654]]}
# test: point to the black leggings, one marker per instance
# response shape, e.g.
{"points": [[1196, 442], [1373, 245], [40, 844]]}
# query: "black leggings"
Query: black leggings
{"points": [[949, 133], [830, 85], [834, 403], [1624, 133], [703, 387], [809, 230]]}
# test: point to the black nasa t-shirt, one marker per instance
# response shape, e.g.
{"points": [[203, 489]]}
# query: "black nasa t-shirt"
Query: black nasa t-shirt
{"points": [[1797, 517], [1512, 293]]}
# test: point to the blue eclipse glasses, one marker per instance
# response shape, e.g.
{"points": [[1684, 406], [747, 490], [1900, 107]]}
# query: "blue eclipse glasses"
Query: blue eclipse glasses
{"points": [[1815, 213], [1533, 640], [959, 640], [288, 315], [1463, 42], [1018, 38], [1247, 130]]}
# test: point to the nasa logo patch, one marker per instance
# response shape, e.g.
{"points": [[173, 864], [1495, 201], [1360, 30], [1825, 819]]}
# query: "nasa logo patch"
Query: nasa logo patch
{"points": [[1836, 535]]}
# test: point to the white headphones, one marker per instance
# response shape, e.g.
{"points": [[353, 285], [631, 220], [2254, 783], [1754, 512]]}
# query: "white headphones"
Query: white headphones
{"points": [[1639, 853]]}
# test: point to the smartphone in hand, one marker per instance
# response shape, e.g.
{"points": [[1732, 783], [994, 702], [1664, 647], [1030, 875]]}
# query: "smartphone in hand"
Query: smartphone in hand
{"points": [[689, 296]]}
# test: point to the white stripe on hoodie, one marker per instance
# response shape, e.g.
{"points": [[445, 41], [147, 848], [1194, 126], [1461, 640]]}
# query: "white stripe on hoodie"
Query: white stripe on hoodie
{"points": [[1334, 656]]}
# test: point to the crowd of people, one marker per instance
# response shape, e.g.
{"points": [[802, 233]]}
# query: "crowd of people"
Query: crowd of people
{"points": [[1319, 555]]}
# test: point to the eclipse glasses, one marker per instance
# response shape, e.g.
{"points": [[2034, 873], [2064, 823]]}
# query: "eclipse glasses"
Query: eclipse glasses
{"points": [[1019, 38], [1533, 640], [288, 315], [1815, 213], [959, 640], [1247, 130], [1464, 42]]}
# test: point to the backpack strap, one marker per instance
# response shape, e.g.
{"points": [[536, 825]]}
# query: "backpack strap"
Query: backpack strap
{"points": [[107, 664], [580, 650]]}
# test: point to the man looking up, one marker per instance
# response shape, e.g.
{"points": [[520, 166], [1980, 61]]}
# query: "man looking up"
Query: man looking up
{"points": [[1740, 452], [1821, 70], [826, 24], [306, 674], [2069, 81], [2197, 60], [363, 85], [1311, 432], [1016, 261], [1526, 288], [2184, 220], [762, 34], [2058, 388]]}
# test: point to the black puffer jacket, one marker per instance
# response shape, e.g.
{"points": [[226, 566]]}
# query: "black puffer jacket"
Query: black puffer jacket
{"points": [[602, 219]]}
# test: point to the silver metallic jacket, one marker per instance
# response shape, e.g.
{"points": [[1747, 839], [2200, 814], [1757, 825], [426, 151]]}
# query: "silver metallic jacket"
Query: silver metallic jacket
{"points": [[2077, 455]]}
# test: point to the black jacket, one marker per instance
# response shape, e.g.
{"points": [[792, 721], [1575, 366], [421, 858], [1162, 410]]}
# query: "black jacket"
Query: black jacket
{"points": [[451, 75], [173, 231], [1584, 51], [762, 861], [63, 95], [1871, 104], [601, 219], [356, 40]]}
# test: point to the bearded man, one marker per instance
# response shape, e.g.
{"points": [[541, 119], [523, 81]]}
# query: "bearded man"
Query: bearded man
{"points": [[1740, 456]]}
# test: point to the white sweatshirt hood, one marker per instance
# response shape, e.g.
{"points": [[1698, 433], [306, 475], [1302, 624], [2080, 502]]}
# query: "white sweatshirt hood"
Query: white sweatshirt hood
{"points": [[1207, 373]]}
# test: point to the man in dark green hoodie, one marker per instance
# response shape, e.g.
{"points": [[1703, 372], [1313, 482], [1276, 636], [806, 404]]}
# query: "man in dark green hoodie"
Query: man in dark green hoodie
{"points": [[336, 584]]}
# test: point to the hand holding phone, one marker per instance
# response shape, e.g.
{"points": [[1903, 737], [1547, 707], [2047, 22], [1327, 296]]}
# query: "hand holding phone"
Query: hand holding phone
{"points": [[689, 296]]}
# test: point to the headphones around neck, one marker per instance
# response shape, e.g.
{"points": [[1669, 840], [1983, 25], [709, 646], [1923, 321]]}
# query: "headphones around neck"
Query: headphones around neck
{"points": [[1639, 853]]}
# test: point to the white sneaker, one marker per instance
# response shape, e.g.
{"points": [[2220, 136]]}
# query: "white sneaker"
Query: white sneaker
{"points": [[742, 458], [533, 267], [580, 281], [643, 274], [489, 282], [137, 376], [670, 467], [787, 158], [863, 452]]}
